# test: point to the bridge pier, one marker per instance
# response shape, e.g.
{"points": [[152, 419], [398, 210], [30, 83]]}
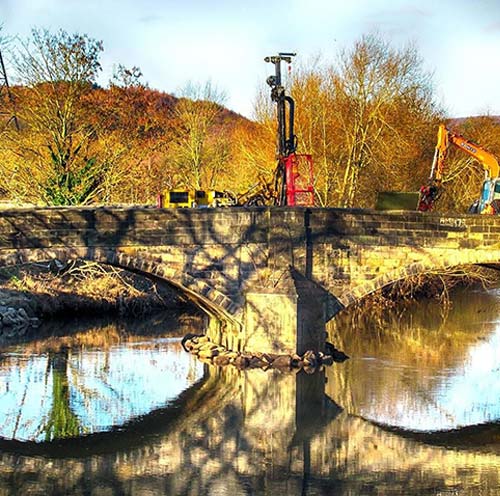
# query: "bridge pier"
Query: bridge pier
{"points": [[284, 313]]}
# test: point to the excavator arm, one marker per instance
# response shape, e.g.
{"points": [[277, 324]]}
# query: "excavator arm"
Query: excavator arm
{"points": [[440, 151], [486, 159], [430, 192]]}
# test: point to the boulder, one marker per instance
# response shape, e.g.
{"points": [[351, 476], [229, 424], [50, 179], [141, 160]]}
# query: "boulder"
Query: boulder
{"points": [[241, 362], [327, 360], [208, 353], [282, 362], [221, 360], [256, 362]]}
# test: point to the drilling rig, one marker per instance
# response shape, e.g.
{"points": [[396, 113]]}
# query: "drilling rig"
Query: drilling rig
{"points": [[293, 180]]}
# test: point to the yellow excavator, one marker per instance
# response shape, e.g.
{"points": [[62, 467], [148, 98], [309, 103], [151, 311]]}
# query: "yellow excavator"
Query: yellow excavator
{"points": [[489, 201]]}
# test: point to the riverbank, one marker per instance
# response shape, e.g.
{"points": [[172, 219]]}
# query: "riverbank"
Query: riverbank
{"points": [[427, 286], [33, 293]]}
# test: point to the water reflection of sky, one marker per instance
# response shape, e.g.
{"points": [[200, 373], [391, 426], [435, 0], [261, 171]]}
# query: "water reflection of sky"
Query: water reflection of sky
{"points": [[467, 394], [106, 388]]}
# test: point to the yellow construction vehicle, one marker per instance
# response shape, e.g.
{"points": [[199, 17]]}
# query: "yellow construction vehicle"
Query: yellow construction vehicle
{"points": [[195, 199], [489, 201]]}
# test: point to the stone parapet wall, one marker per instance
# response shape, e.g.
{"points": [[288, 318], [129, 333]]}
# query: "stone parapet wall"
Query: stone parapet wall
{"points": [[338, 248]]}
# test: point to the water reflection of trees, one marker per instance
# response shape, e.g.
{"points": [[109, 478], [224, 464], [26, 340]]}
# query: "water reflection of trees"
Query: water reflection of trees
{"points": [[102, 332], [426, 333], [61, 421], [403, 366], [67, 386]]}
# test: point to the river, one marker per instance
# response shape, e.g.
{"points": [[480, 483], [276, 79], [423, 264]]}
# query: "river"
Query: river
{"points": [[119, 408]]}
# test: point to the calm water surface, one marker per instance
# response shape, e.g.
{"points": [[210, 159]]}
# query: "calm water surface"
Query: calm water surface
{"points": [[119, 408]]}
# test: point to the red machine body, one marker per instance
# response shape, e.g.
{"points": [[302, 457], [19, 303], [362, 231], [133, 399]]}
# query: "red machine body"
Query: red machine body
{"points": [[294, 181], [299, 180]]}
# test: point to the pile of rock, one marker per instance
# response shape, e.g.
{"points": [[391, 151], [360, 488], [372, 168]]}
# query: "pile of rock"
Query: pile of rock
{"points": [[206, 350], [15, 320]]}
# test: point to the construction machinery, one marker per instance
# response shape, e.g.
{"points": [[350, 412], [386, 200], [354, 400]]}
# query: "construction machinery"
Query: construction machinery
{"points": [[195, 199], [489, 200], [293, 181]]}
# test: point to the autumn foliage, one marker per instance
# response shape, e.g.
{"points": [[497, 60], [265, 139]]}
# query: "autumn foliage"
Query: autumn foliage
{"points": [[369, 120]]}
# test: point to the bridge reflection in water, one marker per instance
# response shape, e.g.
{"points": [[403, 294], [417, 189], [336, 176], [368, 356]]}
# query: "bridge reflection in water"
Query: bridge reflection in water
{"points": [[174, 426]]}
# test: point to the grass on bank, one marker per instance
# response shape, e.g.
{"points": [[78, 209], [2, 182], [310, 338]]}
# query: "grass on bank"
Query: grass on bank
{"points": [[56, 289]]}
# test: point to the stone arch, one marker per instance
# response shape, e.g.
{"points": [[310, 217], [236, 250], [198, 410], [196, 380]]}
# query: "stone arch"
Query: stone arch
{"points": [[208, 298], [430, 263]]}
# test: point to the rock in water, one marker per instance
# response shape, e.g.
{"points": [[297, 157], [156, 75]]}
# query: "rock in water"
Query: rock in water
{"points": [[337, 355]]}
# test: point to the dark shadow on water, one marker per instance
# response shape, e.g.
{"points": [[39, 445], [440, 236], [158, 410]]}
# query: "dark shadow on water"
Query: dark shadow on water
{"points": [[159, 324], [482, 437]]}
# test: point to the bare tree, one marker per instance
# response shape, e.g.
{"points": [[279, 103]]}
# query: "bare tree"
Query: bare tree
{"points": [[200, 151], [127, 77], [376, 89], [317, 127]]}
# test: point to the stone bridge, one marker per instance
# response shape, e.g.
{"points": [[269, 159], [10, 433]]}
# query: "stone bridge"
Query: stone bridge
{"points": [[269, 277]]}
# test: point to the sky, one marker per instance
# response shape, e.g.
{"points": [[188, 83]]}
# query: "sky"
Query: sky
{"points": [[174, 42]]}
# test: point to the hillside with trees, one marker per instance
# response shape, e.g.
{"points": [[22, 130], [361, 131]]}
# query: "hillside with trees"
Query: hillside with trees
{"points": [[369, 120]]}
